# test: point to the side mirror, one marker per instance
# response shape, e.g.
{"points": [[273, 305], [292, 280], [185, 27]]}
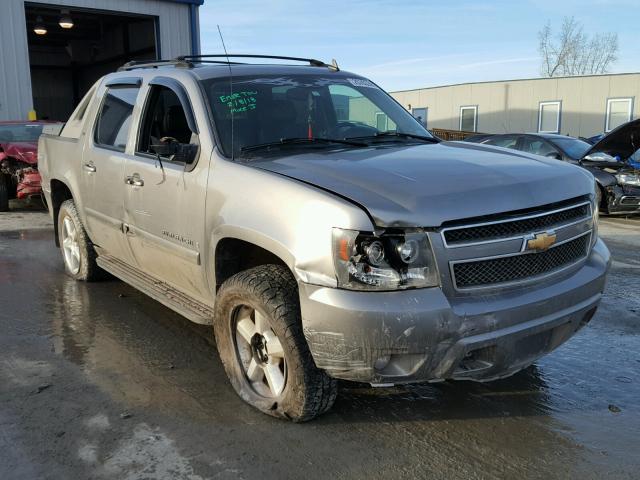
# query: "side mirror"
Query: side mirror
{"points": [[554, 155], [176, 152]]}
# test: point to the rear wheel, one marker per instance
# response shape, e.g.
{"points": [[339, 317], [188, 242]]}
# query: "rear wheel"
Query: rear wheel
{"points": [[77, 250], [4, 193], [259, 337]]}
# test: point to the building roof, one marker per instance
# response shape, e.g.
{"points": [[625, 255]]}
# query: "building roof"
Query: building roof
{"points": [[188, 2], [516, 80]]}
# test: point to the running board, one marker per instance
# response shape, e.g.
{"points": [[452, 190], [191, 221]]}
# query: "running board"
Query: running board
{"points": [[181, 303]]}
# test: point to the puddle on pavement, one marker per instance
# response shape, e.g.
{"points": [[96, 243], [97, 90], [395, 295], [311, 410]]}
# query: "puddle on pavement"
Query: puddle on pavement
{"points": [[142, 354]]}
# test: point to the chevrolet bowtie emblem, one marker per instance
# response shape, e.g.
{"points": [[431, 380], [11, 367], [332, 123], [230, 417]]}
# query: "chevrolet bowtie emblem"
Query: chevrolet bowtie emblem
{"points": [[541, 241]]}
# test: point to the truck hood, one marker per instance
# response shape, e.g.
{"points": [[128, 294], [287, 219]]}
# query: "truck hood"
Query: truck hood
{"points": [[427, 185], [26, 152]]}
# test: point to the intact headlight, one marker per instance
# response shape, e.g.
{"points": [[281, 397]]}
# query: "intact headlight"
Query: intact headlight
{"points": [[388, 261], [628, 179]]}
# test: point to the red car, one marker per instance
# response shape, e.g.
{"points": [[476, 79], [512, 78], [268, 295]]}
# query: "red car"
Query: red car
{"points": [[19, 176]]}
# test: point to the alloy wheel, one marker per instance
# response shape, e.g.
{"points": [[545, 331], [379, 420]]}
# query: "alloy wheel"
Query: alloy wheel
{"points": [[70, 245], [260, 352]]}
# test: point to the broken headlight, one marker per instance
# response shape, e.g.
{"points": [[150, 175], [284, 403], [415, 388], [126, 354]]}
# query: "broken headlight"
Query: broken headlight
{"points": [[388, 261]]}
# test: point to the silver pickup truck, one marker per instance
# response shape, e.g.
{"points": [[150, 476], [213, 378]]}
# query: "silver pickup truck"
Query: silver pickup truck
{"points": [[321, 229]]}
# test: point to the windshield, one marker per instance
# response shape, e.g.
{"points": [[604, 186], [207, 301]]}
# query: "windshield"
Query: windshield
{"points": [[573, 147], [20, 133], [268, 109]]}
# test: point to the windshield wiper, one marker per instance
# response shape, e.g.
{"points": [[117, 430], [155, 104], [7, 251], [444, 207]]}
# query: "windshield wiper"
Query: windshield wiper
{"points": [[400, 135], [301, 141]]}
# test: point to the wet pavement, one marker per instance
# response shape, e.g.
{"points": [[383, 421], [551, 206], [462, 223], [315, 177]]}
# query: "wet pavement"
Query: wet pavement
{"points": [[99, 381]]}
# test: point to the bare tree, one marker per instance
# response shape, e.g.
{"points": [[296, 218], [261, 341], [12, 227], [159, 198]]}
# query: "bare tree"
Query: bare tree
{"points": [[572, 52]]}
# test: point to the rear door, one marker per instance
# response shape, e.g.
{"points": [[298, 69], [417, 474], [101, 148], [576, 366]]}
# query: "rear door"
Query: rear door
{"points": [[102, 169], [164, 195]]}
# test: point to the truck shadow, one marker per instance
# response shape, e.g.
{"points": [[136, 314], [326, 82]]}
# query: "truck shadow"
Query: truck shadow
{"points": [[523, 394]]}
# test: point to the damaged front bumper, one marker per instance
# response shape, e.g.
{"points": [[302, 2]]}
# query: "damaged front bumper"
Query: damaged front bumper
{"points": [[29, 184], [421, 335], [623, 200]]}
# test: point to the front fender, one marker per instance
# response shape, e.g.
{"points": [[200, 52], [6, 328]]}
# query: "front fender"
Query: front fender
{"points": [[603, 178], [288, 218]]}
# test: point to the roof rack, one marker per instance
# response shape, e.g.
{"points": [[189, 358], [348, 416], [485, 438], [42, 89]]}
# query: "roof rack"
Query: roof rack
{"points": [[133, 64], [203, 58], [187, 61]]}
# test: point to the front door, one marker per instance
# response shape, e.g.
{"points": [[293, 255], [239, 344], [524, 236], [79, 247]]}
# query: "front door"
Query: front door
{"points": [[165, 195], [103, 162]]}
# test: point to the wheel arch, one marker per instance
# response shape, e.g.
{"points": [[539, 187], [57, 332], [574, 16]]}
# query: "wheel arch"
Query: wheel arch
{"points": [[59, 193], [235, 253]]}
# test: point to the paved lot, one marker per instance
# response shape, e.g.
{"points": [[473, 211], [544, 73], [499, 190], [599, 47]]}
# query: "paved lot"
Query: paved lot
{"points": [[98, 381]]}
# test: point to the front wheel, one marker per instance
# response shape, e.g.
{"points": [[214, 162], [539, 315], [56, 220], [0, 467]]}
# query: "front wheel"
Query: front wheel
{"points": [[77, 250], [259, 337]]}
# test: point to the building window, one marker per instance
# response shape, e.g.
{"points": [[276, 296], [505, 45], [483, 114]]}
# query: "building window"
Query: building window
{"points": [[618, 112], [420, 114], [549, 117], [469, 118], [381, 121]]}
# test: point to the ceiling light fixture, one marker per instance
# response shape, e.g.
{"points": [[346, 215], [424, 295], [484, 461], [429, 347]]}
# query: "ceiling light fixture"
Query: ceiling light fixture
{"points": [[65, 20], [39, 28]]}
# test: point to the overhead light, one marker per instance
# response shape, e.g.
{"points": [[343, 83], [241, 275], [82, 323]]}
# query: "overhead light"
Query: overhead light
{"points": [[39, 28], [65, 20]]}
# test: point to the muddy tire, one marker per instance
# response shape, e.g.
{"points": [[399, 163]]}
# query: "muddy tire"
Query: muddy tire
{"points": [[78, 253], [4, 193], [259, 337]]}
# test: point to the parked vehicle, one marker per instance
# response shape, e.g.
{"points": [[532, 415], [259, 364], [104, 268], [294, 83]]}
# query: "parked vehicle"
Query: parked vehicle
{"points": [[19, 177], [320, 228], [609, 160]]}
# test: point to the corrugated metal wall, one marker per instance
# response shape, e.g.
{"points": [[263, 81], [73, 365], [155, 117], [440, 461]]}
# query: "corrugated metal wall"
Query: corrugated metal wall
{"points": [[15, 77], [512, 106]]}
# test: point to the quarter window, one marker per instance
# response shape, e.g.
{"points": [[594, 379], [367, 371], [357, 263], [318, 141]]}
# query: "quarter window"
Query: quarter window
{"points": [[114, 121], [618, 112], [469, 118], [549, 117]]}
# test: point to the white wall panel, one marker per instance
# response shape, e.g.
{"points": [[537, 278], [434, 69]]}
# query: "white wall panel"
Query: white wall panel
{"points": [[513, 105]]}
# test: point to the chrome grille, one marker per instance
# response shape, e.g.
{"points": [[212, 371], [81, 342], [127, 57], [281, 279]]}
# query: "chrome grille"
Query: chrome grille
{"points": [[517, 267], [512, 228]]}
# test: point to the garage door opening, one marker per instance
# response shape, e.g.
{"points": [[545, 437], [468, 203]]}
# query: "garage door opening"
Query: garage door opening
{"points": [[69, 49]]}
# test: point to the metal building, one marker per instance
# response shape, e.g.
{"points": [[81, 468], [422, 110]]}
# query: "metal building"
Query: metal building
{"points": [[578, 106], [52, 51]]}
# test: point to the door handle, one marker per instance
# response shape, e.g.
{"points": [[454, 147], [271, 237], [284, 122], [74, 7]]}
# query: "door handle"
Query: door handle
{"points": [[90, 167], [134, 180]]}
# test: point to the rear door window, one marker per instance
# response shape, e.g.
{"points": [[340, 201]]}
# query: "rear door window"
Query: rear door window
{"points": [[114, 120], [508, 141], [537, 146]]}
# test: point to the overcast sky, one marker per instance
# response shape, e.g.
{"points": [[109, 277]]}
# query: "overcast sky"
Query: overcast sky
{"points": [[408, 44]]}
